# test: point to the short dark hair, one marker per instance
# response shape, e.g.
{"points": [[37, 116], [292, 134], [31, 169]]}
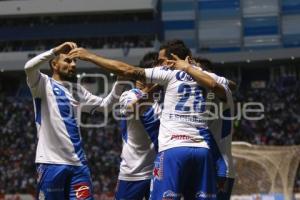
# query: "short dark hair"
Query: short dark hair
{"points": [[149, 60], [53, 59], [204, 63], [176, 47]]}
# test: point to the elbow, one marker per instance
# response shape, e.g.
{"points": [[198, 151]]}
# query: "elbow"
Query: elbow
{"points": [[27, 64], [213, 85], [27, 67]]}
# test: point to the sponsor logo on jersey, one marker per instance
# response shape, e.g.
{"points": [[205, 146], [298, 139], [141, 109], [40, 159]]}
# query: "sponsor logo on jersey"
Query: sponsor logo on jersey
{"points": [[169, 194], [82, 191], [205, 195], [193, 119], [182, 76], [187, 138], [181, 137]]}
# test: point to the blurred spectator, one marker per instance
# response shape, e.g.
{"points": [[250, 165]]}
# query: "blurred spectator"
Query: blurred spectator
{"points": [[50, 20], [281, 124], [124, 42]]}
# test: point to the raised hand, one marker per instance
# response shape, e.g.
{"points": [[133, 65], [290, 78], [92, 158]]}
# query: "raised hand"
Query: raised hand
{"points": [[179, 64], [80, 53], [64, 48]]}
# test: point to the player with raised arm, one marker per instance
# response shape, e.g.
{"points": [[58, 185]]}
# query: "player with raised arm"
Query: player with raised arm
{"points": [[139, 144], [186, 162], [222, 129], [61, 162]]}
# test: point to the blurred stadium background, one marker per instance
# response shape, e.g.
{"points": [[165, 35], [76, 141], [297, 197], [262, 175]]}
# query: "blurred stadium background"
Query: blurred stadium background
{"points": [[253, 42]]}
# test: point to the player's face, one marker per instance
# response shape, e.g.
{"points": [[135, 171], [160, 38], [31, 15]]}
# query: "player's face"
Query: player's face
{"points": [[162, 58], [66, 68]]}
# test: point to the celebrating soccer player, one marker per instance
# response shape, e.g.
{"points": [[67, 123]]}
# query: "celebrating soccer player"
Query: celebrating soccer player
{"points": [[61, 163], [186, 163], [140, 138]]}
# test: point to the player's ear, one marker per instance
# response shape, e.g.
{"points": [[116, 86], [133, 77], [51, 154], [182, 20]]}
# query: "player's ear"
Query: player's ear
{"points": [[54, 65]]}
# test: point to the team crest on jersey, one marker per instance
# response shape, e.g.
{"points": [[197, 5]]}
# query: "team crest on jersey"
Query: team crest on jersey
{"points": [[57, 91], [82, 191]]}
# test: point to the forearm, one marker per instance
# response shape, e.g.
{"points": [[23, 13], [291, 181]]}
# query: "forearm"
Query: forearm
{"points": [[206, 81], [201, 78], [117, 67]]}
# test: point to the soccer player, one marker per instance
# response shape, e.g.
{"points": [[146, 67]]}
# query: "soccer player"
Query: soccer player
{"points": [[186, 162], [139, 145], [61, 162], [222, 129]]}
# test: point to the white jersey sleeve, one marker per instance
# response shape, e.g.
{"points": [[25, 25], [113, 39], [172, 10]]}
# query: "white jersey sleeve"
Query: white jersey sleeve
{"points": [[221, 129], [160, 75], [94, 103], [127, 98], [35, 79], [223, 82]]}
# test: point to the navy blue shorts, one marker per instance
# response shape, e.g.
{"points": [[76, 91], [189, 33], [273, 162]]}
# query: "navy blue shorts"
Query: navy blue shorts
{"points": [[133, 190], [187, 172], [60, 182]]}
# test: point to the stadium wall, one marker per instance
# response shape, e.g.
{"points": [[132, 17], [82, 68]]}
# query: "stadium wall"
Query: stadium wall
{"points": [[17, 60], [30, 7]]}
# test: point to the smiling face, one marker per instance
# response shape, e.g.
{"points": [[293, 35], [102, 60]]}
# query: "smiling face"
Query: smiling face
{"points": [[64, 67]]}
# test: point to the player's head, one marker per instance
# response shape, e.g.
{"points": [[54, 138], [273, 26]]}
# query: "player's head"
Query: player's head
{"points": [[64, 67], [148, 61], [204, 63], [176, 47]]}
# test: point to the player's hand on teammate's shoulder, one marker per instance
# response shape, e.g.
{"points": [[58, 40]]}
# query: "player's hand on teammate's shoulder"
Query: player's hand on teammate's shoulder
{"points": [[65, 48], [179, 64]]}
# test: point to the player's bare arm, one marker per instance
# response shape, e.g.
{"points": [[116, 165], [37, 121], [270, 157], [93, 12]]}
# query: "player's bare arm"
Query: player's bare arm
{"points": [[114, 66], [199, 76]]}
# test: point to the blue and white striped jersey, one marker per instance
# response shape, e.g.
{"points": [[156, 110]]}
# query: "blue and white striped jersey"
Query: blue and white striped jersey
{"points": [[222, 129], [57, 105], [140, 139]]}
